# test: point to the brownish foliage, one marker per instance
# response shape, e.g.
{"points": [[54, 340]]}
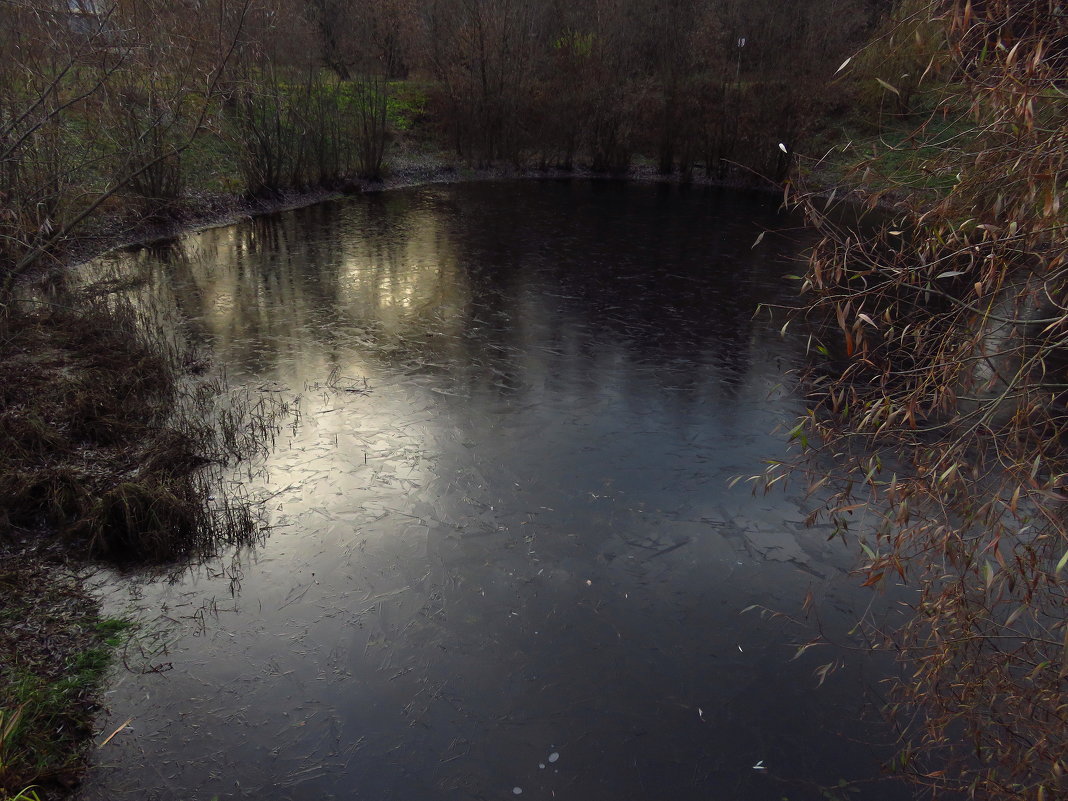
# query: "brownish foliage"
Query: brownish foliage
{"points": [[98, 99], [687, 83], [942, 401]]}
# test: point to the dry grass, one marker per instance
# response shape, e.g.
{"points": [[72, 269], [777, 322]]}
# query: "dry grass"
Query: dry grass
{"points": [[107, 441]]}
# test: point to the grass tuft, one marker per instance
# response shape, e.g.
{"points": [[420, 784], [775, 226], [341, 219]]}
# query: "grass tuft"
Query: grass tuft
{"points": [[107, 440]]}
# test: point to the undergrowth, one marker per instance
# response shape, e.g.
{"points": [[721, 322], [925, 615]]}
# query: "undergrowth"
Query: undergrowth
{"points": [[108, 439]]}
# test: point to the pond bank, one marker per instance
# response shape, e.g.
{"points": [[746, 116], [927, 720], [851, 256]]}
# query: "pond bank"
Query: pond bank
{"points": [[55, 650], [203, 210], [108, 450]]}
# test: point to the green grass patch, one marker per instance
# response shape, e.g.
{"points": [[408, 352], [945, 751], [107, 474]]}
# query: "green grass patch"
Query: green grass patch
{"points": [[114, 631], [212, 162], [406, 106], [55, 652], [887, 150]]}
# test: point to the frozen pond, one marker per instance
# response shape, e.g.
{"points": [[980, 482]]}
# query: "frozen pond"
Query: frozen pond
{"points": [[504, 552]]}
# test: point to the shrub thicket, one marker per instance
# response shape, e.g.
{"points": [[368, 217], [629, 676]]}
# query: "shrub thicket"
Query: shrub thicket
{"points": [[941, 398]]}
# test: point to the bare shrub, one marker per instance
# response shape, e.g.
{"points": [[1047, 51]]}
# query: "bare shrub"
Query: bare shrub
{"points": [[940, 398]]}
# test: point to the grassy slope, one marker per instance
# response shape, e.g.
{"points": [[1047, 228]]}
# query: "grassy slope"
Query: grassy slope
{"points": [[873, 146]]}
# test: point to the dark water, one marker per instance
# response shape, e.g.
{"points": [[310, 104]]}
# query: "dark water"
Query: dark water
{"points": [[504, 531]]}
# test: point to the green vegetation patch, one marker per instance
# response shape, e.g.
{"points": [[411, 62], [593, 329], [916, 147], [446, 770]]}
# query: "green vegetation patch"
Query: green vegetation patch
{"points": [[894, 151], [406, 105], [54, 654]]}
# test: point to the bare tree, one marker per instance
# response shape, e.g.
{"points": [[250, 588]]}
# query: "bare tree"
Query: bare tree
{"points": [[483, 53], [62, 153]]}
